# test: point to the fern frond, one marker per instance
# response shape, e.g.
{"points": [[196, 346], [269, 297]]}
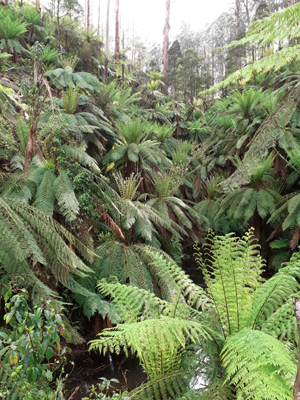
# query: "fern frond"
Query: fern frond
{"points": [[232, 273], [171, 279], [157, 342], [275, 292], [22, 130], [80, 156], [162, 387], [44, 199], [259, 366], [66, 198]]}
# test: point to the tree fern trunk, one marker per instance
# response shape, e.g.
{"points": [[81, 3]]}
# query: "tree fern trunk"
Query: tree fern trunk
{"points": [[255, 223]]}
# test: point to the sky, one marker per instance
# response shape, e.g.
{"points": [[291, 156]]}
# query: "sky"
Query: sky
{"points": [[148, 15]]}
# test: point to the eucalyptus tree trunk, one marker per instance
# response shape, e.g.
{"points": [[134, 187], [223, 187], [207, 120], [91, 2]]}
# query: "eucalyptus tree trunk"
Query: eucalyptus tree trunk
{"points": [[296, 391], [98, 29], [107, 42], [246, 3], [88, 17], [117, 38], [237, 15], [166, 44], [123, 65]]}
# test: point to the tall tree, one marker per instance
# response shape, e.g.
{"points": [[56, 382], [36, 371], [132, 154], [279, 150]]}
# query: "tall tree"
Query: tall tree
{"points": [[117, 43], [107, 41], [237, 15], [88, 15], [98, 29], [166, 43]]}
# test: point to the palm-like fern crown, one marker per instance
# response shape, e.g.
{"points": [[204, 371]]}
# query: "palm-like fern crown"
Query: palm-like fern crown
{"points": [[11, 29], [240, 319], [133, 131], [70, 99], [163, 132], [69, 62], [128, 186], [245, 102], [163, 183], [257, 173], [183, 149], [211, 187], [31, 15]]}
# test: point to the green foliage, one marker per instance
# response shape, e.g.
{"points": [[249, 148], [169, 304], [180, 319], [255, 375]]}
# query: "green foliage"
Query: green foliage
{"points": [[70, 99], [32, 238], [258, 365], [277, 27], [26, 352]]}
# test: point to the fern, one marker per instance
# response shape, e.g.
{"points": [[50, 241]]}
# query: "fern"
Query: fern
{"points": [[64, 193], [157, 342], [81, 156], [31, 239], [22, 130], [45, 196], [259, 366], [265, 138], [165, 386], [232, 272], [277, 27]]}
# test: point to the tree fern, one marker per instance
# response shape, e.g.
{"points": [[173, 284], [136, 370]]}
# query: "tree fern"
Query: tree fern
{"points": [[232, 273], [33, 246]]}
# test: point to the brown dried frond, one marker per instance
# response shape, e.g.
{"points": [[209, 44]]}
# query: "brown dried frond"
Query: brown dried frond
{"points": [[110, 222]]}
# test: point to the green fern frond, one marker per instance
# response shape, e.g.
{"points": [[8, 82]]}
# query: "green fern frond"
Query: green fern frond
{"points": [[66, 198], [80, 156], [232, 270], [157, 342], [274, 293], [22, 130], [171, 279], [45, 197], [163, 387], [259, 366]]}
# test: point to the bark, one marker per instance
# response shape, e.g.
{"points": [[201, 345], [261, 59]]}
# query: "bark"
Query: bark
{"points": [[123, 65], [88, 16], [98, 29], [32, 143], [30, 35], [255, 223], [296, 391], [107, 42], [58, 21], [117, 38], [246, 3], [132, 52], [213, 67], [166, 45], [237, 15]]}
